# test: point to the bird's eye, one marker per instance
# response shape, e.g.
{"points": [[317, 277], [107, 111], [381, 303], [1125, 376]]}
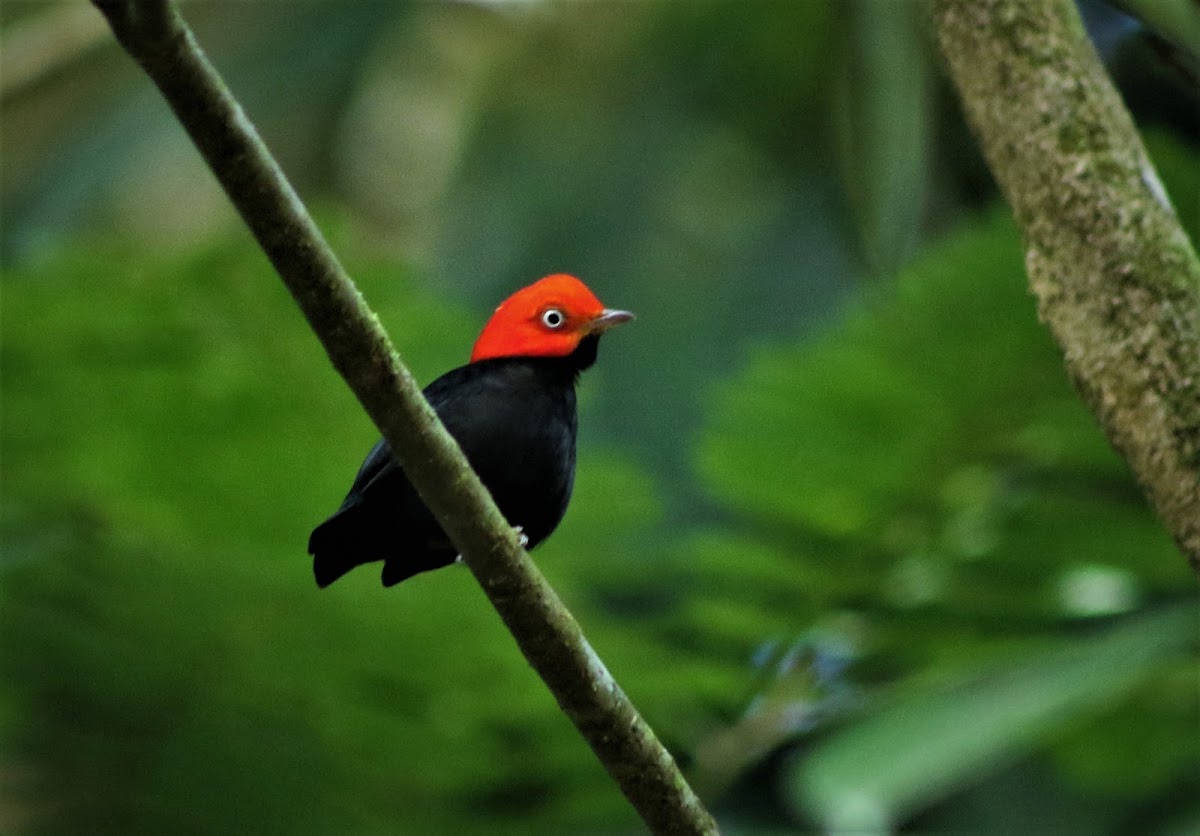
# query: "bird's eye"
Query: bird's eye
{"points": [[553, 318]]}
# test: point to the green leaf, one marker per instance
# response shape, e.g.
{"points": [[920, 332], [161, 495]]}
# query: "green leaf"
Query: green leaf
{"points": [[944, 735]]}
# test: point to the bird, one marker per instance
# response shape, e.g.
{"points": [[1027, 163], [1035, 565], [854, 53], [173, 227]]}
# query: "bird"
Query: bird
{"points": [[511, 409]]}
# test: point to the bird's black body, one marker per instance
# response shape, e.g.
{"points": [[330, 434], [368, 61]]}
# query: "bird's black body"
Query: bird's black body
{"points": [[514, 418]]}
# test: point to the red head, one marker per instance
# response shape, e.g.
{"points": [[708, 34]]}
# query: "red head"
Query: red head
{"points": [[546, 319]]}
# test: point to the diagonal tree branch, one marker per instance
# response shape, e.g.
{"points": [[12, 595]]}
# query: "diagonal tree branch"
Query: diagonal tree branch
{"points": [[156, 36], [1115, 276]]}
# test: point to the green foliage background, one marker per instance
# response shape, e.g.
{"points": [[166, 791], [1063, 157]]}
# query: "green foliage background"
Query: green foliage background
{"points": [[842, 529]]}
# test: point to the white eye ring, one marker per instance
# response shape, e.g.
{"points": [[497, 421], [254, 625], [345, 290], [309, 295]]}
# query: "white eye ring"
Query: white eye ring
{"points": [[553, 318]]}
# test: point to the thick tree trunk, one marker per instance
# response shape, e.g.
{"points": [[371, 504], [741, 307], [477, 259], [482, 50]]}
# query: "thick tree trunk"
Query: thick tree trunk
{"points": [[1115, 276]]}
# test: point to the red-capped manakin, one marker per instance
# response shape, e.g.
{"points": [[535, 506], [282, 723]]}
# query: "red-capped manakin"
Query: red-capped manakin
{"points": [[511, 409]]}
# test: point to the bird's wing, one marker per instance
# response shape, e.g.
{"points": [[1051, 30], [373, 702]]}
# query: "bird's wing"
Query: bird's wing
{"points": [[380, 464]]}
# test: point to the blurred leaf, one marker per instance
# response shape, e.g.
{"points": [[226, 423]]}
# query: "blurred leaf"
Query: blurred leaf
{"points": [[1180, 173], [1178, 21], [1145, 732], [882, 119], [935, 739]]}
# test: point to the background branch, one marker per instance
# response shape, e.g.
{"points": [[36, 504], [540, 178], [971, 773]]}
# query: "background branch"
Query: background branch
{"points": [[156, 36], [1114, 274]]}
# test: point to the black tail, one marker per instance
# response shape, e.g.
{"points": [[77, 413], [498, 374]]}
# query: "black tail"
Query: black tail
{"points": [[359, 534], [337, 545]]}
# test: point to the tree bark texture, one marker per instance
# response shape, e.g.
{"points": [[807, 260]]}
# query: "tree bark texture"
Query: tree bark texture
{"points": [[156, 36], [1115, 276]]}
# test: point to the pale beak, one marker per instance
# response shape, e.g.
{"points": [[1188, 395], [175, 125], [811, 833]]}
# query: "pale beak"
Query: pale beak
{"points": [[607, 319]]}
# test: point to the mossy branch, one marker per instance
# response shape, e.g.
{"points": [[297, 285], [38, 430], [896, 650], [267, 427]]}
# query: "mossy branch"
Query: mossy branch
{"points": [[153, 32], [1115, 276]]}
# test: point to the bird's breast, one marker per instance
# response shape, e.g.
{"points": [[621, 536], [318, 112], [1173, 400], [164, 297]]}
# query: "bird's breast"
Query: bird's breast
{"points": [[518, 428]]}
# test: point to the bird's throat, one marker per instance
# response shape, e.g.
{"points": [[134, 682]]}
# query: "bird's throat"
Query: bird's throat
{"points": [[584, 355]]}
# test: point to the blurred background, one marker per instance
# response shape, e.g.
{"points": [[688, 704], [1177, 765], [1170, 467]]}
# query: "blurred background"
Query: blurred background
{"points": [[841, 529]]}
